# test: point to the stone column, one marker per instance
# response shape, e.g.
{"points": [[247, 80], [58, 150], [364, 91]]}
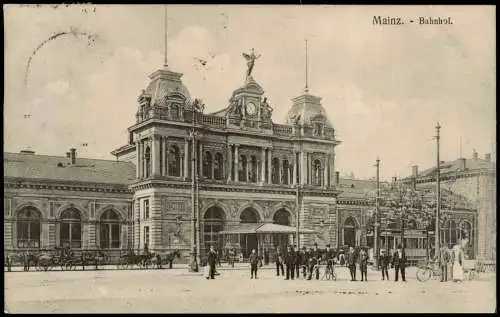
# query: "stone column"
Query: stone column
{"points": [[303, 172], [143, 152], [186, 155], [123, 236], [141, 159], [280, 170], [325, 176], [163, 156], [137, 160], [269, 166], [229, 163], [182, 171], [200, 160], [236, 166], [294, 174], [263, 166], [155, 153]]}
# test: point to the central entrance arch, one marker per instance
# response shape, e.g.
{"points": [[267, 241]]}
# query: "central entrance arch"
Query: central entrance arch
{"points": [[249, 240], [284, 218], [213, 223]]}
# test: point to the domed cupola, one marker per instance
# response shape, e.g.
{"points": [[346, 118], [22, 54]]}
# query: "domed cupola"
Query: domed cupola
{"points": [[165, 97]]}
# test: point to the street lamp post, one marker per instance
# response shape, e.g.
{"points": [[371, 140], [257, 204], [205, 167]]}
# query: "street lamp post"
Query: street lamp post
{"points": [[438, 193], [376, 231], [194, 198], [297, 216]]}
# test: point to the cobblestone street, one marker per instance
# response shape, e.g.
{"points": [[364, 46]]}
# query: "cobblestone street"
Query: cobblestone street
{"points": [[176, 290]]}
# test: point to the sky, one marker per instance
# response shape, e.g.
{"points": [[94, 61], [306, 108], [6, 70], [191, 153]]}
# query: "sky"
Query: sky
{"points": [[384, 88]]}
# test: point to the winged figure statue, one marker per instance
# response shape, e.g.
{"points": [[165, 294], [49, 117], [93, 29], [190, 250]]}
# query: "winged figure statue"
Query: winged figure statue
{"points": [[250, 61]]}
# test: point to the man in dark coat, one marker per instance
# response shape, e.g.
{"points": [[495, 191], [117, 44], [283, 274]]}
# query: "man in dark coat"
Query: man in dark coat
{"points": [[254, 263], [444, 259], [385, 260], [315, 258], [296, 261], [212, 259], [351, 263], [363, 264], [289, 263], [399, 263], [279, 262]]}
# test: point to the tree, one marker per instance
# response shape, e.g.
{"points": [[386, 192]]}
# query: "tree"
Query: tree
{"points": [[402, 205]]}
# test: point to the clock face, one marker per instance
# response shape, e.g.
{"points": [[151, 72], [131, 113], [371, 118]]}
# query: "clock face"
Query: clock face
{"points": [[251, 108]]}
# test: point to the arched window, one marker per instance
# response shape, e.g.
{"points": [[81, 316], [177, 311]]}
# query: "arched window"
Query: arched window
{"points": [[213, 223], [451, 233], [252, 171], [282, 217], [242, 168], [28, 228], [174, 112], [70, 234], [110, 230], [207, 165], [284, 172], [275, 172], [350, 232], [249, 215], [174, 161], [316, 175], [147, 159], [219, 166]]}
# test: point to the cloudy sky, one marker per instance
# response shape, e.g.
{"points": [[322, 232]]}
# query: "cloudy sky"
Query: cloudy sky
{"points": [[383, 87]]}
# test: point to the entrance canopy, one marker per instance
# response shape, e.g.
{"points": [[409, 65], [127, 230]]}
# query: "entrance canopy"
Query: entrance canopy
{"points": [[246, 228]]}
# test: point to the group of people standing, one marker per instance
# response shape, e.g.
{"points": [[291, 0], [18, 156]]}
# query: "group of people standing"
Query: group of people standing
{"points": [[451, 262]]}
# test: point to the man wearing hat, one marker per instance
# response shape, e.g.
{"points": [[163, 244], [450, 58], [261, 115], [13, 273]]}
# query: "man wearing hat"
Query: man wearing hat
{"points": [[328, 256], [289, 262], [296, 261], [315, 259], [399, 263], [385, 259]]}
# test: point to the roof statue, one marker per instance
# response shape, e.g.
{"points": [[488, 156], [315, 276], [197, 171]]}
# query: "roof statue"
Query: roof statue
{"points": [[250, 62]]}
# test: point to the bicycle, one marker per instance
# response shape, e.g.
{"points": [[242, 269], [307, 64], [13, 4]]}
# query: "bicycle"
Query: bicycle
{"points": [[427, 271]]}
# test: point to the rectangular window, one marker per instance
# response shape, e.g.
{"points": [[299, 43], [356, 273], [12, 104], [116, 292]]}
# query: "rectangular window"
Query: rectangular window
{"points": [[146, 235], [146, 209]]}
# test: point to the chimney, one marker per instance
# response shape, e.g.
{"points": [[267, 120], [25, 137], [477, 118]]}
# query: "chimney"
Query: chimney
{"points": [[415, 170], [474, 154], [28, 152], [462, 164], [337, 178], [487, 157], [73, 156]]}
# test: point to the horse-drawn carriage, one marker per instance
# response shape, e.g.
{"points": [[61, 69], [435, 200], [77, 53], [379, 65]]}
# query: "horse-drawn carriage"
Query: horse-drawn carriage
{"points": [[63, 258], [146, 259]]}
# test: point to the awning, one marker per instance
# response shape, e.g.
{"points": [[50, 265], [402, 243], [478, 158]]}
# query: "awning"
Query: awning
{"points": [[264, 228]]}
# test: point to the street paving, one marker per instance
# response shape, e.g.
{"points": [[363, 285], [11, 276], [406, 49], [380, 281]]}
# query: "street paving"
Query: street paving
{"points": [[177, 290]]}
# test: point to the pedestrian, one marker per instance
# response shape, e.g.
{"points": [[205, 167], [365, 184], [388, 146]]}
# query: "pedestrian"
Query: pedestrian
{"points": [[279, 262], [363, 264], [444, 260], [9, 262], [457, 260], [351, 263], [296, 261], [266, 257], [289, 260], [212, 259], [304, 259], [399, 263], [385, 260], [232, 255], [254, 263]]}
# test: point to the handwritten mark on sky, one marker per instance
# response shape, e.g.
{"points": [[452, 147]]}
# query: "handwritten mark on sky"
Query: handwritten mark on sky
{"points": [[73, 32]]}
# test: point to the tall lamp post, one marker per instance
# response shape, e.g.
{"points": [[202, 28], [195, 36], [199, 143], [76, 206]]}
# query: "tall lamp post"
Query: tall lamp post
{"points": [[376, 231], [193, 267], [438, 193], [297, 216]]}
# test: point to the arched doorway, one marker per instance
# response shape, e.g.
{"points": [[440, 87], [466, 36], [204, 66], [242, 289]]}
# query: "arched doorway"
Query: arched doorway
{"points": [[281, 217], [350, 232], [213, 223], [248, 241]]}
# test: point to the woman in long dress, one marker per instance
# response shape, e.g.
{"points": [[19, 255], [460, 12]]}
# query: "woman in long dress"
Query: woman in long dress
{"points": [[458, 257]]}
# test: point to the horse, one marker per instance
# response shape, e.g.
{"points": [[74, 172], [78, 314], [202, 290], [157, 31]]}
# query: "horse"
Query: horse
{"points": [[169, 258]]}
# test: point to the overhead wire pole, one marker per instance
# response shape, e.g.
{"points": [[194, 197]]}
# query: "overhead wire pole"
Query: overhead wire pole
{"points": [[165, 63], [438, 193], [194, 199]]}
